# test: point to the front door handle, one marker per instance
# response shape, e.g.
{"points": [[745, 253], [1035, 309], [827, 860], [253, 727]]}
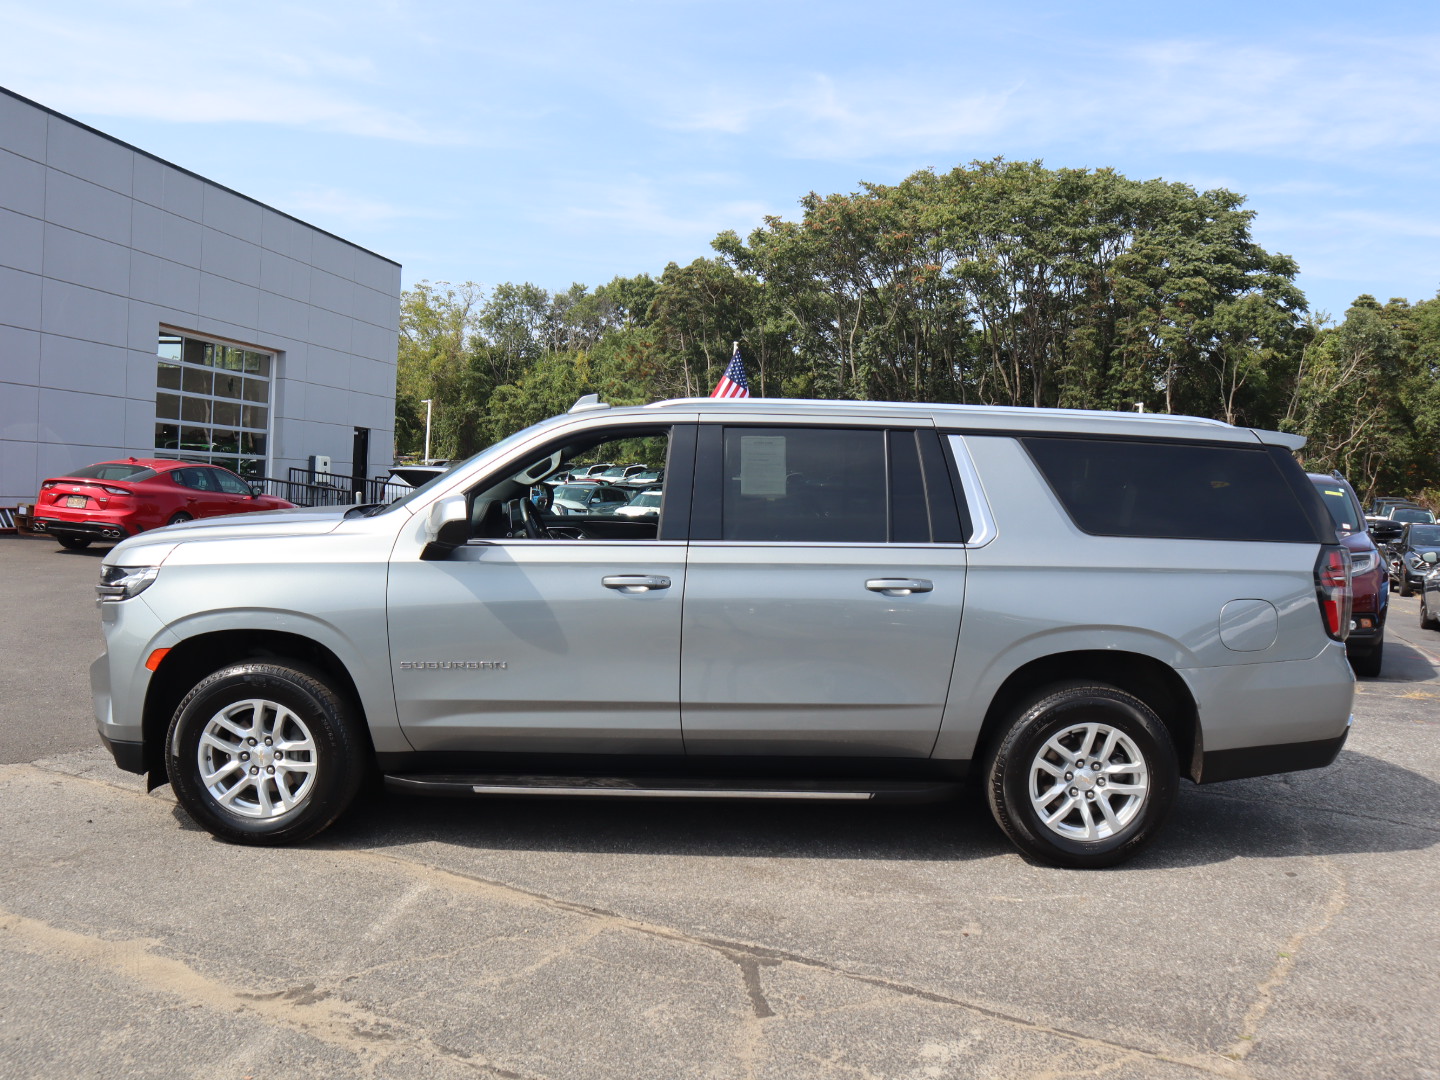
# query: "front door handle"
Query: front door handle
{"points": [[899, 586], [635, 583]]}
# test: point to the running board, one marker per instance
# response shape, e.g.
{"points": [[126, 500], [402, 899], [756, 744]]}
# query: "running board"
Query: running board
{"points": [[671, 788]]}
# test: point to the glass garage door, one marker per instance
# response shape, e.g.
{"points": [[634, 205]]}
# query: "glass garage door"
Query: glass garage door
{"points": [[212, 403]]}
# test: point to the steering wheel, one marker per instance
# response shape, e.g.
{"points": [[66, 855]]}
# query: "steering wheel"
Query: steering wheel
{"points": [[530, 518]]}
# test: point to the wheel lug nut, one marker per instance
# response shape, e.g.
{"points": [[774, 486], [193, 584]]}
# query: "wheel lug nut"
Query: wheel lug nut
{"points": [[250, 741], [1100, 782], [254, 770], [279, 754], [1088, 794], [1069, 776], [1073, 792], [244, 755], [271, 769], [269, 741]]}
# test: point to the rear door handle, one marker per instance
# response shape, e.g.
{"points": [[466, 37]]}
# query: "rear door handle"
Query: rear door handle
{"points": [[899, 586], [635, 583]]}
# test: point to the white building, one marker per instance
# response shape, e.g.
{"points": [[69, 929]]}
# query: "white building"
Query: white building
{"points": [[148, 311]]}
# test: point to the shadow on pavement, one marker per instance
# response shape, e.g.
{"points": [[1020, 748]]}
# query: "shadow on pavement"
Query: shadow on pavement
{"points": [[1360, 804]]}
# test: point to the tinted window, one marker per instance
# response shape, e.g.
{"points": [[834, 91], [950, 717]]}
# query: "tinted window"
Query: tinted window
{"points": [[229, 483], [804, 484], [1135, 488], [1425, 535], [200, 479], [112, 471]]}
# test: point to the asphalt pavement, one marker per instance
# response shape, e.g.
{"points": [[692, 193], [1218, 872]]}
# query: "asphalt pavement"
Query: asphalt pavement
{"points": [[1281, 927]]}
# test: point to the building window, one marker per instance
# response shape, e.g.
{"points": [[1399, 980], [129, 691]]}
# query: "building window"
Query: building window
{"points": [[212, 403]]}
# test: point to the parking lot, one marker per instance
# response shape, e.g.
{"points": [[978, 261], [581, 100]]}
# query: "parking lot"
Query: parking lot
{"points": [[1281, 927]]}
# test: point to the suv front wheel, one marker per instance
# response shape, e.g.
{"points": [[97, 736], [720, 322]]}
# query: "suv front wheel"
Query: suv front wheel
{"points": [[1083, 776], [262, 753]]}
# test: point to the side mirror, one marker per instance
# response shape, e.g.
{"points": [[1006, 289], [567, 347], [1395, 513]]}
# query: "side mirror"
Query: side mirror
{"points": [[257, 489], [1430, 557], [447, 527]]}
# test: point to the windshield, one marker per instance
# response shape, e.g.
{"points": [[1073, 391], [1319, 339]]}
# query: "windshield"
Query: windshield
{"points": [[499, 448], [1345, 513], [1425, 536], [1408, 514]]}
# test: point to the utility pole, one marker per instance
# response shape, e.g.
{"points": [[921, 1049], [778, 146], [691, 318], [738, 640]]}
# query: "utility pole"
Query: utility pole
{"points": [[429, 404]]}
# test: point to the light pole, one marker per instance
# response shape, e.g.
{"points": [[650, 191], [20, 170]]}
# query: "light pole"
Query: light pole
{"points": [[429, 404]]}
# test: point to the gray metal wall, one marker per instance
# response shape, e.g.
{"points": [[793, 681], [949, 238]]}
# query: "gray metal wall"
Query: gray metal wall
{"points": [[102, 244]]}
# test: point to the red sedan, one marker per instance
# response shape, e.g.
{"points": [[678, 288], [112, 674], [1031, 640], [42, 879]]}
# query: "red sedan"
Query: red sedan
{"points": [[116, 499]]}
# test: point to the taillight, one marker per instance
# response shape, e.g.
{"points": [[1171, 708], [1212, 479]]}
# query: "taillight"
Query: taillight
{"points": [[1332, 587], [47, 485], [115, 490]]}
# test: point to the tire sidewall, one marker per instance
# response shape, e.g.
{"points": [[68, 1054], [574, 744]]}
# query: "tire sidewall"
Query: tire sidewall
{"points": [[339, 762], [1008, 775]]}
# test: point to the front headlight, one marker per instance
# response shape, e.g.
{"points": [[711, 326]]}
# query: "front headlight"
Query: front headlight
{"points": [[123, 582], [1415, 560]]}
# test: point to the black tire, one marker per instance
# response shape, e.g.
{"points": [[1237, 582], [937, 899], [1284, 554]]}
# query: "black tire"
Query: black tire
{"points": [[1369, 662], [1406, 589], [72, 543], [175, 519], [1016, 757], [333, 753]]}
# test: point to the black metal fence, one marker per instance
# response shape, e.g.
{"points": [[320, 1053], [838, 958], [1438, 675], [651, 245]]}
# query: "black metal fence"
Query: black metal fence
{"points": [[305, 488]]}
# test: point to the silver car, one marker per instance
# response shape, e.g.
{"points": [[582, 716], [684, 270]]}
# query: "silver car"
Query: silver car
{"points": [[836, 600]]}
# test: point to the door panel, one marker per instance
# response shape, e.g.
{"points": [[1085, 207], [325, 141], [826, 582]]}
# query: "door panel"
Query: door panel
{"points": [[787, 651], [521, 646]]}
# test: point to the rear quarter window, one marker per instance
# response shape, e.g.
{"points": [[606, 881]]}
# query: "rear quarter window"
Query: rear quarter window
{"points": [[1179, 490]]}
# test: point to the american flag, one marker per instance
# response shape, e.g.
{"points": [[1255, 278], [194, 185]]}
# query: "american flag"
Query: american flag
{"points": [[733, 383]]}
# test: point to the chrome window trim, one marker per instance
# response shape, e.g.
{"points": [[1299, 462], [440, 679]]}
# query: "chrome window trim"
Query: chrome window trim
{"points": [[983, 527], [875, 545]]}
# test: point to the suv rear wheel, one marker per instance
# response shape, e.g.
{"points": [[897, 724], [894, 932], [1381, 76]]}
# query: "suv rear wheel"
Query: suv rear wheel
{"points": [[262, 753], [1083, 776]]}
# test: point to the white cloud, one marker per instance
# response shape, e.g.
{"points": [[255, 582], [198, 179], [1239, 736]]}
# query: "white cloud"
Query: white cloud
{"points": [[197, 65], [1317, 98], [341, 209]]}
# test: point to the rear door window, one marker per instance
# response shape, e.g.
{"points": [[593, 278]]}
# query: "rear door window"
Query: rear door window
{"points": [[823, 485], [1178, 490]]}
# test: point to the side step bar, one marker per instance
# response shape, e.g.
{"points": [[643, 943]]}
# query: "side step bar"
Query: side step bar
{"points": [[672, 788]]}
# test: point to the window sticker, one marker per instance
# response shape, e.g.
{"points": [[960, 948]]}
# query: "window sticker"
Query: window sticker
{"points": [[762, 465]]}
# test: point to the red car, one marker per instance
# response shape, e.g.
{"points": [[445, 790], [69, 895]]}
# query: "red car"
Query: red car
{"points": [[1370, 581], [116, 499]]}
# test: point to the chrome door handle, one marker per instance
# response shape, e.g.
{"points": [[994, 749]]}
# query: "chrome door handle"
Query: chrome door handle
{"points": [[635, 583], [899, 586]]}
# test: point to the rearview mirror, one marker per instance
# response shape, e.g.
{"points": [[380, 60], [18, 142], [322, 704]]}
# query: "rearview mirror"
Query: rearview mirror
{"points": [[447, 527]]}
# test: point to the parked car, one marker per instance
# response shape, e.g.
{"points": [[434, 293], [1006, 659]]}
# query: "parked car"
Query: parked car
{"points": [[1407, 514], [1430, 592], [1369, 574], [1407, 563], [580, 498], [1074, 610], [643, 479], [115, 499], [644, 504], [618, 474]]}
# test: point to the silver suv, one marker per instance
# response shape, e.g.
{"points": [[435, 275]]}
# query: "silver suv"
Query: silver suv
{"points": [[837, 600]]}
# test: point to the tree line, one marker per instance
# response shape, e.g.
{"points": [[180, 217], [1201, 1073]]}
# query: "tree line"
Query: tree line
{"points": [[998, 282]]}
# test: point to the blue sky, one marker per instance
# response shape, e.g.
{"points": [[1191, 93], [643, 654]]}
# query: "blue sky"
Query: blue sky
{"points": [[557, 143]]}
